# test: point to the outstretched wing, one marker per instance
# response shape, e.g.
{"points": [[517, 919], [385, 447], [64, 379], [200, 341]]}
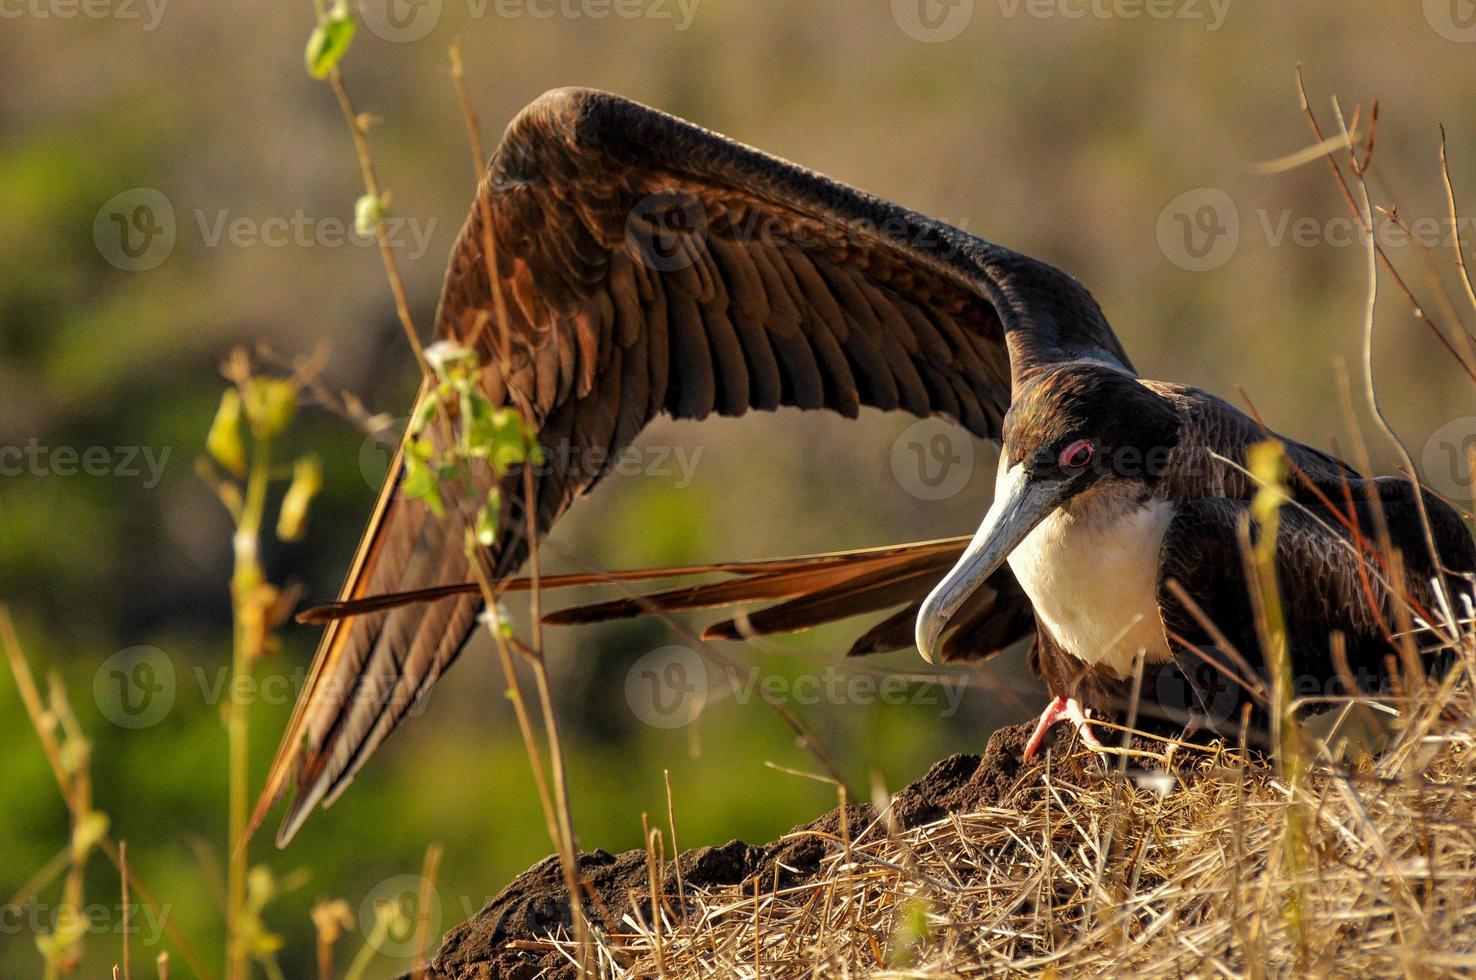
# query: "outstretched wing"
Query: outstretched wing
{"points": [[640, 265]]}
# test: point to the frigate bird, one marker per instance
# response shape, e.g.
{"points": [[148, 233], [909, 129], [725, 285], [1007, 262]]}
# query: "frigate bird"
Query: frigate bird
{"points": [[619, 264]]}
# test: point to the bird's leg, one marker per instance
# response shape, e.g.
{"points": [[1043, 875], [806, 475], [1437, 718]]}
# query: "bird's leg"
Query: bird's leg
{"points": [[1059, 710]]}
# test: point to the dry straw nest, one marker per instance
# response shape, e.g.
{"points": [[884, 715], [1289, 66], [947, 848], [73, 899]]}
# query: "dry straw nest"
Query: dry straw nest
{"points": [[1221, 863]]}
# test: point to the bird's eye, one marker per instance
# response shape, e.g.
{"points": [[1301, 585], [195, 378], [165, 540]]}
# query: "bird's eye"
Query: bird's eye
{"points": [[1077, 455]]}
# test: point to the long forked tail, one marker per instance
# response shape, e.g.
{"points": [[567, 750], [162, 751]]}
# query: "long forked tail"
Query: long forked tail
{"points": [[805, 591], [343, 706], [354, 695]]}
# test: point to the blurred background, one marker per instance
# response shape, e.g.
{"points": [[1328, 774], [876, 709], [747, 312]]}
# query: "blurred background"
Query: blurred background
{"points": [[1114, 138]]}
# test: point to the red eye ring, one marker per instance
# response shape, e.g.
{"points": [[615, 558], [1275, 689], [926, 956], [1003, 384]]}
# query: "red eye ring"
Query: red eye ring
{"points": [[1077, 455]]}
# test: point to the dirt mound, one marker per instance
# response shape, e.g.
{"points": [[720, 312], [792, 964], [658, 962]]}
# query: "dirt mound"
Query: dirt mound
{"points": [[495, 942]]}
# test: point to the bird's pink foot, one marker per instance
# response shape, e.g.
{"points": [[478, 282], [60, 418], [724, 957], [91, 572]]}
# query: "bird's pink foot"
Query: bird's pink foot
{"points": [[1059, 710]]}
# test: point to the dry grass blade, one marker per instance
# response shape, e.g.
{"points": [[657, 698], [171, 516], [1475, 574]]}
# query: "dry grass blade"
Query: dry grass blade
{"points": [[1353, 866]]}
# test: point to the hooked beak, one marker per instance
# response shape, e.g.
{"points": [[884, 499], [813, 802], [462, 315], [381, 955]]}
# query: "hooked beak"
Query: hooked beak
{"points": [[1019, 505]]}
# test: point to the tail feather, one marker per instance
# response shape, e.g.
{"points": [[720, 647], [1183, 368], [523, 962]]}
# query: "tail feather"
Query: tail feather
{"points": [[363, 605], [868, 592], [893, 633], [406, 611], [772, 585], [821, 589]]}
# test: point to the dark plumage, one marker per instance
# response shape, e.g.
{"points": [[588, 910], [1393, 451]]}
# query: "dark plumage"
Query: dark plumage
{"points": [[647, 266]]}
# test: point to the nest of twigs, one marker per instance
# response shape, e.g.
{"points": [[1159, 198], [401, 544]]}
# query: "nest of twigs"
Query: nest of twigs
{"points": [[1222, 863]]}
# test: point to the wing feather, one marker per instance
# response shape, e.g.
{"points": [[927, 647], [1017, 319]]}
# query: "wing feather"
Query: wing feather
{"points": [[774, 286]]}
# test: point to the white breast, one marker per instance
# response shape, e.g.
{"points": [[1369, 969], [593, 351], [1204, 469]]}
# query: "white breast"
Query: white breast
{"points": [[1092, 576]]}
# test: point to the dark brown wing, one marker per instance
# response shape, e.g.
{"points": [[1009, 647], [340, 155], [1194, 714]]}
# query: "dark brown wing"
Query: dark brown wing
{"points": [[648, 266], [1325, 588]]}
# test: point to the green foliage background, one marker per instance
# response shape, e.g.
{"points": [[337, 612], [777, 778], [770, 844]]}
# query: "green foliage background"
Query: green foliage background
{"points": [[1063, 137]]}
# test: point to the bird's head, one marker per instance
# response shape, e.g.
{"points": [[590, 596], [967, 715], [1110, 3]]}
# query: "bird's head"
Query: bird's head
{"points": [[1073, 434]]}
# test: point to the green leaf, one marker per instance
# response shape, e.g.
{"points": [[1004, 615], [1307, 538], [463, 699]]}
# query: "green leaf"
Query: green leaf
{"points": [[330, 40], [368, 212], [91, 829], [422, 483], [488, 516], [307, 480], [223, 443], [1267, 462], [514, 441], [480, 424], [425, 413], [270, 405], [261, 886]]}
